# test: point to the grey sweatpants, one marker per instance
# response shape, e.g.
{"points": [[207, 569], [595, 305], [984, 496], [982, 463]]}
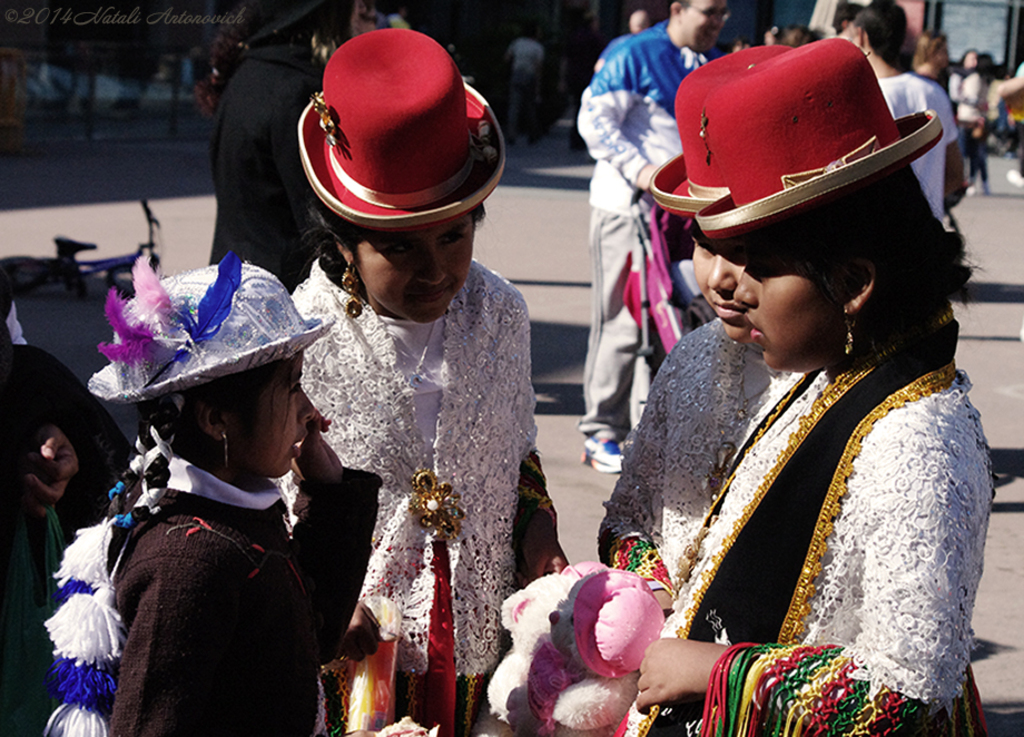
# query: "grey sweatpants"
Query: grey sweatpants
{"points": [[608, 383]]}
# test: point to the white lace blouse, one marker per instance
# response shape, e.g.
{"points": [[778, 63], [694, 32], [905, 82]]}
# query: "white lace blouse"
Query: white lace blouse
{"points": [[899, 578], [485, 429]]}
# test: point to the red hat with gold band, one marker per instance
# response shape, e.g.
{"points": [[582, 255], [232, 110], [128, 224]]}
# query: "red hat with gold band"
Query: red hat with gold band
{"points": [[691, 181], [800, 130], [397, 140]]}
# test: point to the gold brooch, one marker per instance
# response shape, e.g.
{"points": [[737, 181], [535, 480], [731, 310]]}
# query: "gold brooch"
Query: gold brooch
{"points": [[326, 120], [704, 133], [436, 505]]}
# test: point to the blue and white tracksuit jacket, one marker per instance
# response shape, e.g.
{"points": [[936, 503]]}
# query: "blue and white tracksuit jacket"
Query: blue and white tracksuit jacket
{"points": [[627, 114]]}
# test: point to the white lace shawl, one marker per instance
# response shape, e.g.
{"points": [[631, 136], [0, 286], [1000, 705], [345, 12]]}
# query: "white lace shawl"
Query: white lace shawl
{"points": [[485, 429], [901, 571]]}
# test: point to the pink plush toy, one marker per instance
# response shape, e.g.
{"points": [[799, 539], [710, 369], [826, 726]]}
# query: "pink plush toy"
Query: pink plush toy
{"points": [[577, 644]]}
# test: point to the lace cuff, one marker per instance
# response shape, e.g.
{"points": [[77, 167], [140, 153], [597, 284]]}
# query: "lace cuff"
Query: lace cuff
{"points": [[788, 690], [533, 496], [637, 555]]}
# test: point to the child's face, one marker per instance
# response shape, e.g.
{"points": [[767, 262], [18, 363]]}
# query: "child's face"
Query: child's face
{"points": [[283, 411], [718, 266], [761, 300], [414, 275], [796, 326]]}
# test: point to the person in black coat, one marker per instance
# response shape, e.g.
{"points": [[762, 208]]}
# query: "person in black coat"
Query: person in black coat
{"points": [[265, 68], [60, 451]]}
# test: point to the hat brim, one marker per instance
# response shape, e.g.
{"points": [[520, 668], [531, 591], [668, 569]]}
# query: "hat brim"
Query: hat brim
{"points": [[724, 219], [480, 182], [107, 384], [674, 192]]}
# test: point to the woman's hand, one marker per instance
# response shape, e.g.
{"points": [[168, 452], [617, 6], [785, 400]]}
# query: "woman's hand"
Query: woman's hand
{"points": [[363, 634], [541, 553], [317, 461], [47, 471], [675, 671]]}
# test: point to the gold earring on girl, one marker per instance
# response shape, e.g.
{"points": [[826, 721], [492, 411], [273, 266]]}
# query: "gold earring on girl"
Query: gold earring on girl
{"points": [[350, 283], [849, 333]]}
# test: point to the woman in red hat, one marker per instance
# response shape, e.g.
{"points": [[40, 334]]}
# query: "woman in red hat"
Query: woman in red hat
{"points": [[823, 567], [426, 372]]}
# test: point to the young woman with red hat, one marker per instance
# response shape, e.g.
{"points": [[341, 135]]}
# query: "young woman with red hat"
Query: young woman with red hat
{"points": [[426, 372], [832, 557]]}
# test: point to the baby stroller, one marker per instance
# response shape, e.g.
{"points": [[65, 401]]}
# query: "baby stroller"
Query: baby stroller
{"points": [[661, 290]]}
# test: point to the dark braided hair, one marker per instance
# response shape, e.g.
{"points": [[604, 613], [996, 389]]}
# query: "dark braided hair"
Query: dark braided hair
{"points": [[160, 418]]}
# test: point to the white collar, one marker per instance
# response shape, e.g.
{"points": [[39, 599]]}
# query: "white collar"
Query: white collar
{"points": [[253, 493]]}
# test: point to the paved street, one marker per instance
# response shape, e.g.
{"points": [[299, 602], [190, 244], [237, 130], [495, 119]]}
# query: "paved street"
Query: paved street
{"points": [[535, 234]]}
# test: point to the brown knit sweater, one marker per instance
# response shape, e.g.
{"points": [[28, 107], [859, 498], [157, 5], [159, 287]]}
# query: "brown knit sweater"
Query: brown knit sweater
{"points": [[226, 628]]}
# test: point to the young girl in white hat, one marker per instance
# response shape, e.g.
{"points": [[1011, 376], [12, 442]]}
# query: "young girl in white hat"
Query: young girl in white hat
{"points": [[190, 611]]}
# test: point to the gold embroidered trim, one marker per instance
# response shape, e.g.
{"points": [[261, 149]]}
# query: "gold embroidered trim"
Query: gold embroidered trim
{"points": [[800, 606], [832, 394], [644, 725], [687, 564]]}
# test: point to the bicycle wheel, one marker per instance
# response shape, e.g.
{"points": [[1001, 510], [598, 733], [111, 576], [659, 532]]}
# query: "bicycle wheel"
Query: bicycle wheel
{"points": [[120, 277], [26, 273]]}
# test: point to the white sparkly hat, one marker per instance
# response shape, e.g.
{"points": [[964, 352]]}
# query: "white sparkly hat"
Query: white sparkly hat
{"points": [[190, 328]]}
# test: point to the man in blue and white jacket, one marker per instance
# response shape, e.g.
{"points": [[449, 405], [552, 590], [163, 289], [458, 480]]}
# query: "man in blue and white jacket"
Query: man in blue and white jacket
{"points": [[627, 118]]}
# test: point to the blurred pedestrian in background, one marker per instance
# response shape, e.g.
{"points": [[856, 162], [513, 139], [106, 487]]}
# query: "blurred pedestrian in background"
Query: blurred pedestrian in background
{"points": [[525, 57], [879, 30], [627, 120], [264, 71], [795, 35], [968, 89], [931, 57], [1012, 93]]}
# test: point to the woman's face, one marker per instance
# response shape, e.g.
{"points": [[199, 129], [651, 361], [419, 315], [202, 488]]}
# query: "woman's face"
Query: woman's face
{"points": [[761, 299], [283, 411], [414, 275]]}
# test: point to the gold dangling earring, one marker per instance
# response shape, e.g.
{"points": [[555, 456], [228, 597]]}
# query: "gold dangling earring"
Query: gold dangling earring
{"points": [[350, 283], [849, 333], [224, 437]]}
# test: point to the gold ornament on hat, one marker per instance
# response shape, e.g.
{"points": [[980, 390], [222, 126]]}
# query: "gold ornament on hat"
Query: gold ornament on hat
{"points": [[704, 133], [436, 505], [326, 121]]}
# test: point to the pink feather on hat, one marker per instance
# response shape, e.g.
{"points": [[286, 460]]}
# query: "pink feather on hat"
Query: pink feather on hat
{"points": [[152, 303]]}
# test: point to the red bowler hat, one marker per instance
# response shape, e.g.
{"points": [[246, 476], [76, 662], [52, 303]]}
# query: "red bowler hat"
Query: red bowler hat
{"points": [[396, 140], [800, 130], [691, 181]]}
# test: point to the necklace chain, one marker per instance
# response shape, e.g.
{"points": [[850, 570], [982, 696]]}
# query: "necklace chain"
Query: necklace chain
{"points": [[416, 378]]}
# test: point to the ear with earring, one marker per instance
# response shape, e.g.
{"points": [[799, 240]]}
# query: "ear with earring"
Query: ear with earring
{"points": [[351, 284]]}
